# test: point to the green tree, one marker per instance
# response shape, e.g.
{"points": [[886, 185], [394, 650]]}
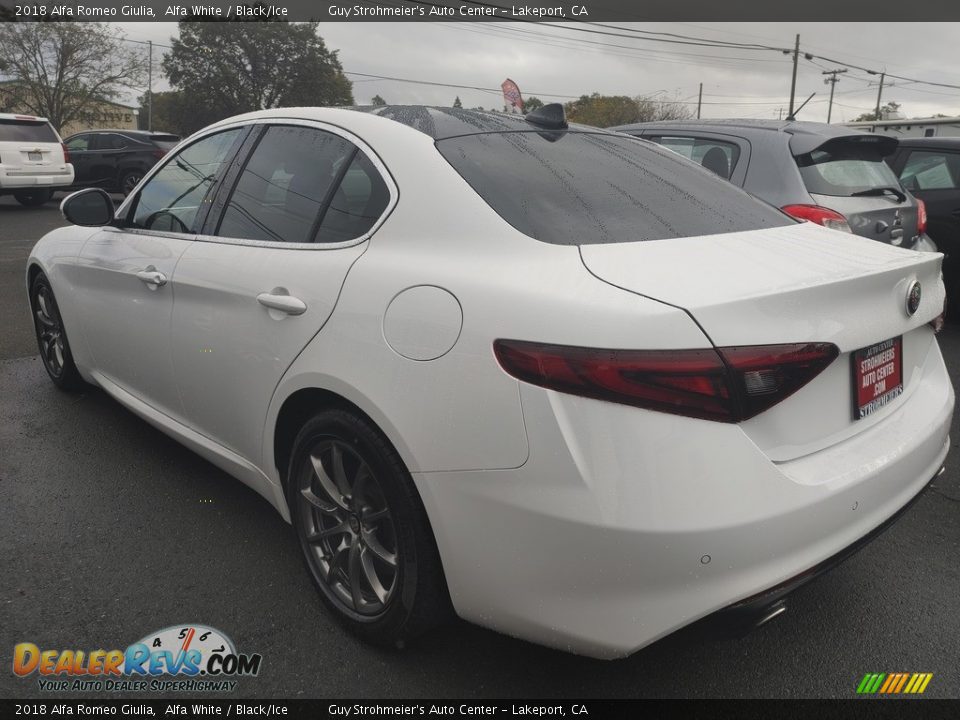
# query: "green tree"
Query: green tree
{"points": [[532, 103], [224, 69], [887, 109], [170, 113], [61, 69], [603, 110], [457, 103], [377, 101]]}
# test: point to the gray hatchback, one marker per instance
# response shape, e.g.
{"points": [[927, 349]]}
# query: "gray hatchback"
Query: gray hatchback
{"points": [[826, 174]]}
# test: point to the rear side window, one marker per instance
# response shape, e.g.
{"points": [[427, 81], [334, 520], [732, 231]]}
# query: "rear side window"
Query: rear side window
{"points": [[358, 203], [27, 131], [715, 155], [165, 142], [931, 171], [572, 188], [843, 170]]}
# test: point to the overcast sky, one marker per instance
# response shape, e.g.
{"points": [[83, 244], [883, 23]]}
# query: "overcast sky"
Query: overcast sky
{"points": [[556, 64]]}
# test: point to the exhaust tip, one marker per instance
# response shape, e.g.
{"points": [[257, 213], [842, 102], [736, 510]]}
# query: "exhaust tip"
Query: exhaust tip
{"points": [[770, 613]]}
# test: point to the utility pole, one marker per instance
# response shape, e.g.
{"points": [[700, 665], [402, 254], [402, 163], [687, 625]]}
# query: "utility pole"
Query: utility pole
{"points": [[832, 80], [150, 88], [699, 100], [880, 94], [793, 82]]}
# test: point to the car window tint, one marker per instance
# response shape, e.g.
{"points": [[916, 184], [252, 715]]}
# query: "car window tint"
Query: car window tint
{"points": [[576, 188], [171, 198], [931, 171], [842, 169], [27, 131], [716, 155], [80, 142], [115, 142], [286, 182], [358, 202]]}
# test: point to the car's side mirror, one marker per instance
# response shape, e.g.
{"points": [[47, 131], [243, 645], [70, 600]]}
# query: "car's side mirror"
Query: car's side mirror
{"points": [[90, 208]]}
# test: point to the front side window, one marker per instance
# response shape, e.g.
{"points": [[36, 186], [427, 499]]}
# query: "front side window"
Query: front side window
{"points": [[931, 171], [172, 198], [304, 185]]}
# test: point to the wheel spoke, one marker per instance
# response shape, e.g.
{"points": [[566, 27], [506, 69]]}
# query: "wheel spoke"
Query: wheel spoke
{"points": [[371, 574], [360, 481], [326, 484], [377, 548], [42, 302], [58, 352], [372, 518], [354, 571], [44, 319], [319, 503], [339, 474], [338, 555], [341, 528]]}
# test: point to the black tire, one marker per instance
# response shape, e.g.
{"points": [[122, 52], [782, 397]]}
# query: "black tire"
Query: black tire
{"points": [[33, 198], [417, 598], [129, 180], [52, 336]]}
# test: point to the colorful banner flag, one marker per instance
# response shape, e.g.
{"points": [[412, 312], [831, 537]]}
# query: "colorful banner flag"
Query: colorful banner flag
{"points": [[511, 96]]}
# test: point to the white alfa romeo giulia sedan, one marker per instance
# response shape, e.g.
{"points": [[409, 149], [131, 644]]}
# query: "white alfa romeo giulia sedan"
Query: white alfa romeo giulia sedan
{"points": [[561, 380]]}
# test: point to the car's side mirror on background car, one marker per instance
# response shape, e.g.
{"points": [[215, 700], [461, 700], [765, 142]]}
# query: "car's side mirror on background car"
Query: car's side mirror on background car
{"points": [[91, 208]]}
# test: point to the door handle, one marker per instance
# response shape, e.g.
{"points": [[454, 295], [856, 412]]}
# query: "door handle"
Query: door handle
{"points": [[152, 276], [284, 303]]}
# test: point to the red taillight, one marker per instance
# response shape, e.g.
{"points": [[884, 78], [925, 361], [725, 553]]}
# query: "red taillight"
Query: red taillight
{"points": [[726, 384], [921, 216], [158, 153], [66, 153], [819, 215]]}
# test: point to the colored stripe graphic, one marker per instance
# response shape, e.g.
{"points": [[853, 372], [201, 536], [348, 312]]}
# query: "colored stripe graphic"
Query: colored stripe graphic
{"points": [[894, 683]]}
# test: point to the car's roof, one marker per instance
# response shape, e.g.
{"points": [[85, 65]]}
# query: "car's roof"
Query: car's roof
{"points": [[802, 136], [949, 143], [18, 116], [124, 131], [435, 122]]}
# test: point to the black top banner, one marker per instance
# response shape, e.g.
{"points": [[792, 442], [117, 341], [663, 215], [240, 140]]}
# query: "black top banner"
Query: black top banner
{"points": [[476, 11]]}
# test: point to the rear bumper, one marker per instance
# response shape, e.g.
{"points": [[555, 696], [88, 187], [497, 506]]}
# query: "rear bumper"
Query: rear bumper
{"points": [[626, 525], [21, 179]]}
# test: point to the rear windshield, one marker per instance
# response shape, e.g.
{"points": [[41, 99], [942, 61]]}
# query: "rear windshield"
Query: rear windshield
{"points": [[844, 169], [165, 142], [27, 131], [573, 188]]}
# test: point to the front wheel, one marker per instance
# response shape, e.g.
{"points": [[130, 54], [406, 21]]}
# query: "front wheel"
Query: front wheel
{"points": [[33, 198], [52, 337], [364, 533]]}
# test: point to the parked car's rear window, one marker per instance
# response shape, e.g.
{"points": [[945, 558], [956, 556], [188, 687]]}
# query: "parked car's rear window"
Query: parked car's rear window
{"points": [[577, 188], [845, 169], [27, 131], [165, 142]]}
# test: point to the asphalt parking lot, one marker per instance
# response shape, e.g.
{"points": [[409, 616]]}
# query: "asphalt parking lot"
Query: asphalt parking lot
{"points": [[110, 530]]}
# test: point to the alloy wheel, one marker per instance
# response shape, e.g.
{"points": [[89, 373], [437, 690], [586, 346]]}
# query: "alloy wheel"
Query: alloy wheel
{"points": [[49, 332], [348, 529]]}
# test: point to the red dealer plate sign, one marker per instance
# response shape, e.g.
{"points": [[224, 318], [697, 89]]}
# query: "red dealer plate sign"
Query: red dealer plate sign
{"points": [[877, 376]]}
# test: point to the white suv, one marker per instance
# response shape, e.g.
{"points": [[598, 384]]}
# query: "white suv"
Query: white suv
{"points": [[33, 160]]}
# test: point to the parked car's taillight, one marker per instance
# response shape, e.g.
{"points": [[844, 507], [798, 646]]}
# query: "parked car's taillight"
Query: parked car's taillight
{"points": [[158, 153], [819, 215], [66, 153], [921, 216], [726, 384]]}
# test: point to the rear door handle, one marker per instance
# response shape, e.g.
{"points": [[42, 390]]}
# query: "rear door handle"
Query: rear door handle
{"points": [[284, 303], [153, 277]]}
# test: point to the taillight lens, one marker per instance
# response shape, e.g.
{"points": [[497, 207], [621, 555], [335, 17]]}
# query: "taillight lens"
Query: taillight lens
{"points": [[819, 215], [66, 153], [728, 384], [921, 216]]}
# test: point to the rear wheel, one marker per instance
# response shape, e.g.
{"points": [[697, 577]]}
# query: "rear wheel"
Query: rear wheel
{"points": [[33, 198], [363, 530], [52, 337], [129, 180]]}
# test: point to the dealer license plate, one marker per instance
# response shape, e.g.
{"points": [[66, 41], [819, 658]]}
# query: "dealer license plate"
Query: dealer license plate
{"points": [[877, 376]]}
